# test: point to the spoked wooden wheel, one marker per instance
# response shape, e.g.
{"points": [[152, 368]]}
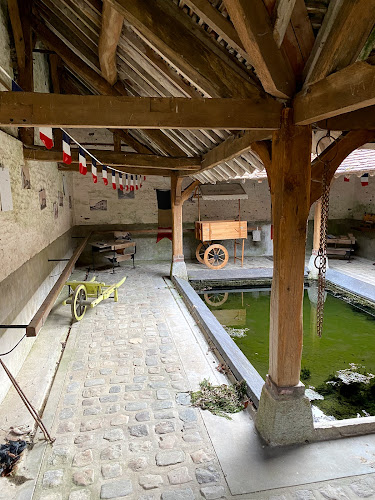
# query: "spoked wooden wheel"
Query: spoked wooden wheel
{"points": [[216, 256], [215, 299], [199, 253], [78, 300]]}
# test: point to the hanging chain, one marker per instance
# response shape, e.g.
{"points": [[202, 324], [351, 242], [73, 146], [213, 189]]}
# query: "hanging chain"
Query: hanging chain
{"points": [[321, 258]]}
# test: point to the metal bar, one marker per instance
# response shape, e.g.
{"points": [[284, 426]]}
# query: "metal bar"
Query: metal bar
{"points": [[57, 260], [13, 326]]}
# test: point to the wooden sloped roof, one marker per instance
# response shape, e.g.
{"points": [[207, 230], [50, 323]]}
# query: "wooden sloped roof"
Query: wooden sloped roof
{"points": [[190, 48]]}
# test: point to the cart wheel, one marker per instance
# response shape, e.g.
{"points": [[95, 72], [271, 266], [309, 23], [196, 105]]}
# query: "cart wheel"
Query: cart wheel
{"points": [[215, 299], [78, 309], [216, 256], [199, 253]]}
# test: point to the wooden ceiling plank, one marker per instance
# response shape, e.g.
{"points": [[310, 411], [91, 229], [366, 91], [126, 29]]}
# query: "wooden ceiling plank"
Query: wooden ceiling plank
{"points": [[254, 28], [110, 33], [114, 158], [174, 36], [347, 90], [56, 110], [222, 26], [232, 147], [18, 36], [283, 14], [341, 38]]}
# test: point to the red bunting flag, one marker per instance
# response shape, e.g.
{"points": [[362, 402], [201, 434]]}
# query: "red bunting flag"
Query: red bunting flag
{"points": [[136, 182], [114, 179], [45, 134], [67, 154], [94, 170], [346, 179], [131, 183], [82, 162], [126, 182], [120, 181], [104, 174]]}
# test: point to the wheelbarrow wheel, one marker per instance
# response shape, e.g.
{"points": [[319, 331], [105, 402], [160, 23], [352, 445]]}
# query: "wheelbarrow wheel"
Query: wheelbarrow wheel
{"points": [[216, 256], [77, 305], [199, 253]]}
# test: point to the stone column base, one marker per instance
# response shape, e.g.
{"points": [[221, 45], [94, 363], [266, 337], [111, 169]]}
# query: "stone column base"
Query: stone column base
{"points": [[178, 267], [284, 415], [313, 271]]}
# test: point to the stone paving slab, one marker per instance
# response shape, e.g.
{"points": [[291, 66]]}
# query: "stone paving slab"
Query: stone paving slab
{"points": [[123, 423]]}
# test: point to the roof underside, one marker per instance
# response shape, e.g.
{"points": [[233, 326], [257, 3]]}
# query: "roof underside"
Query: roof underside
{"points": [[143, 70]]}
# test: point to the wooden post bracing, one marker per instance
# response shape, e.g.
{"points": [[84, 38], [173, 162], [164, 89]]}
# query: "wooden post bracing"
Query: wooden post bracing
{"points": [[290, 192]]}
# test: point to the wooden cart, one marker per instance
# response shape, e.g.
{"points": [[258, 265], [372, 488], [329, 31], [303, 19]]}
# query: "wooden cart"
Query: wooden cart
{"points": [[215, 255]]}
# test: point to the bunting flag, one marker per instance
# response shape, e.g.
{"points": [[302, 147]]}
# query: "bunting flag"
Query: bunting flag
{"points": [[126, 182], [131, 183], [94, 170], [136, 182], [67, 154], [120, 181], [114, 179], [346, 179], [104, 173], [16, 87], [364, 180], [82, 162], [45, 134]]}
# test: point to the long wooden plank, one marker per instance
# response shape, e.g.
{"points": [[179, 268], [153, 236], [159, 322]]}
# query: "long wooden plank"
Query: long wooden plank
{"points": [[112, 22], [232, 147], [112, 158], [174, 36], [42, 313], [347, 90], [345, 29], [335, 154], [356, 120], [255, 30], [37, 109]]}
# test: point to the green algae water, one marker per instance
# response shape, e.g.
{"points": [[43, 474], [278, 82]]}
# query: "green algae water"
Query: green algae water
{"points": [[348, 337]]}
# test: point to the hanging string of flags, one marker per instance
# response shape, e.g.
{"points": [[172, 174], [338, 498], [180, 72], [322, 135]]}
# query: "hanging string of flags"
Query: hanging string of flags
{"points": [[132, 182]]}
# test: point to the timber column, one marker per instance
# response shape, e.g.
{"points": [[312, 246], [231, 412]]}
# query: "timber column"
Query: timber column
{"points": [[178, 266], [284, 414]]}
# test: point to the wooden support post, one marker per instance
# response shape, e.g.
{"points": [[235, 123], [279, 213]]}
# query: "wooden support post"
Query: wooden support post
{"points": [[178, 264], [317, 216], [290, 180], [284, 414]]}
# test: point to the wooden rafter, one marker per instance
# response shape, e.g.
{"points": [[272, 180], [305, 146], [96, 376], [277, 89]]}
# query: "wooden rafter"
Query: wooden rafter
{"points": [[94, 80], [110, 32], [361, 119], [255, 30], [19, 41], [335, 154], [283, 14], [347, 90], [33, 109], [233, 146], [185, 46], [112, 158], [215, 20], [345, 29]]}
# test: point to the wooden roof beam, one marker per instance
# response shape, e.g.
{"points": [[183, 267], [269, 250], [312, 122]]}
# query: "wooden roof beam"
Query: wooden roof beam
{"points": [[185, 46], [232, 147], [110, 32], [341, 38], [254, 27], [347, 90], [114, 159], [360, 119], [25, 109], [283, 14], [335, 154]]}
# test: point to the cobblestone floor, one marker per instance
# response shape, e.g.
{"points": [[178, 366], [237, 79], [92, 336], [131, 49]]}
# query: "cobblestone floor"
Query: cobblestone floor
{"points": [[123, 423]]}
